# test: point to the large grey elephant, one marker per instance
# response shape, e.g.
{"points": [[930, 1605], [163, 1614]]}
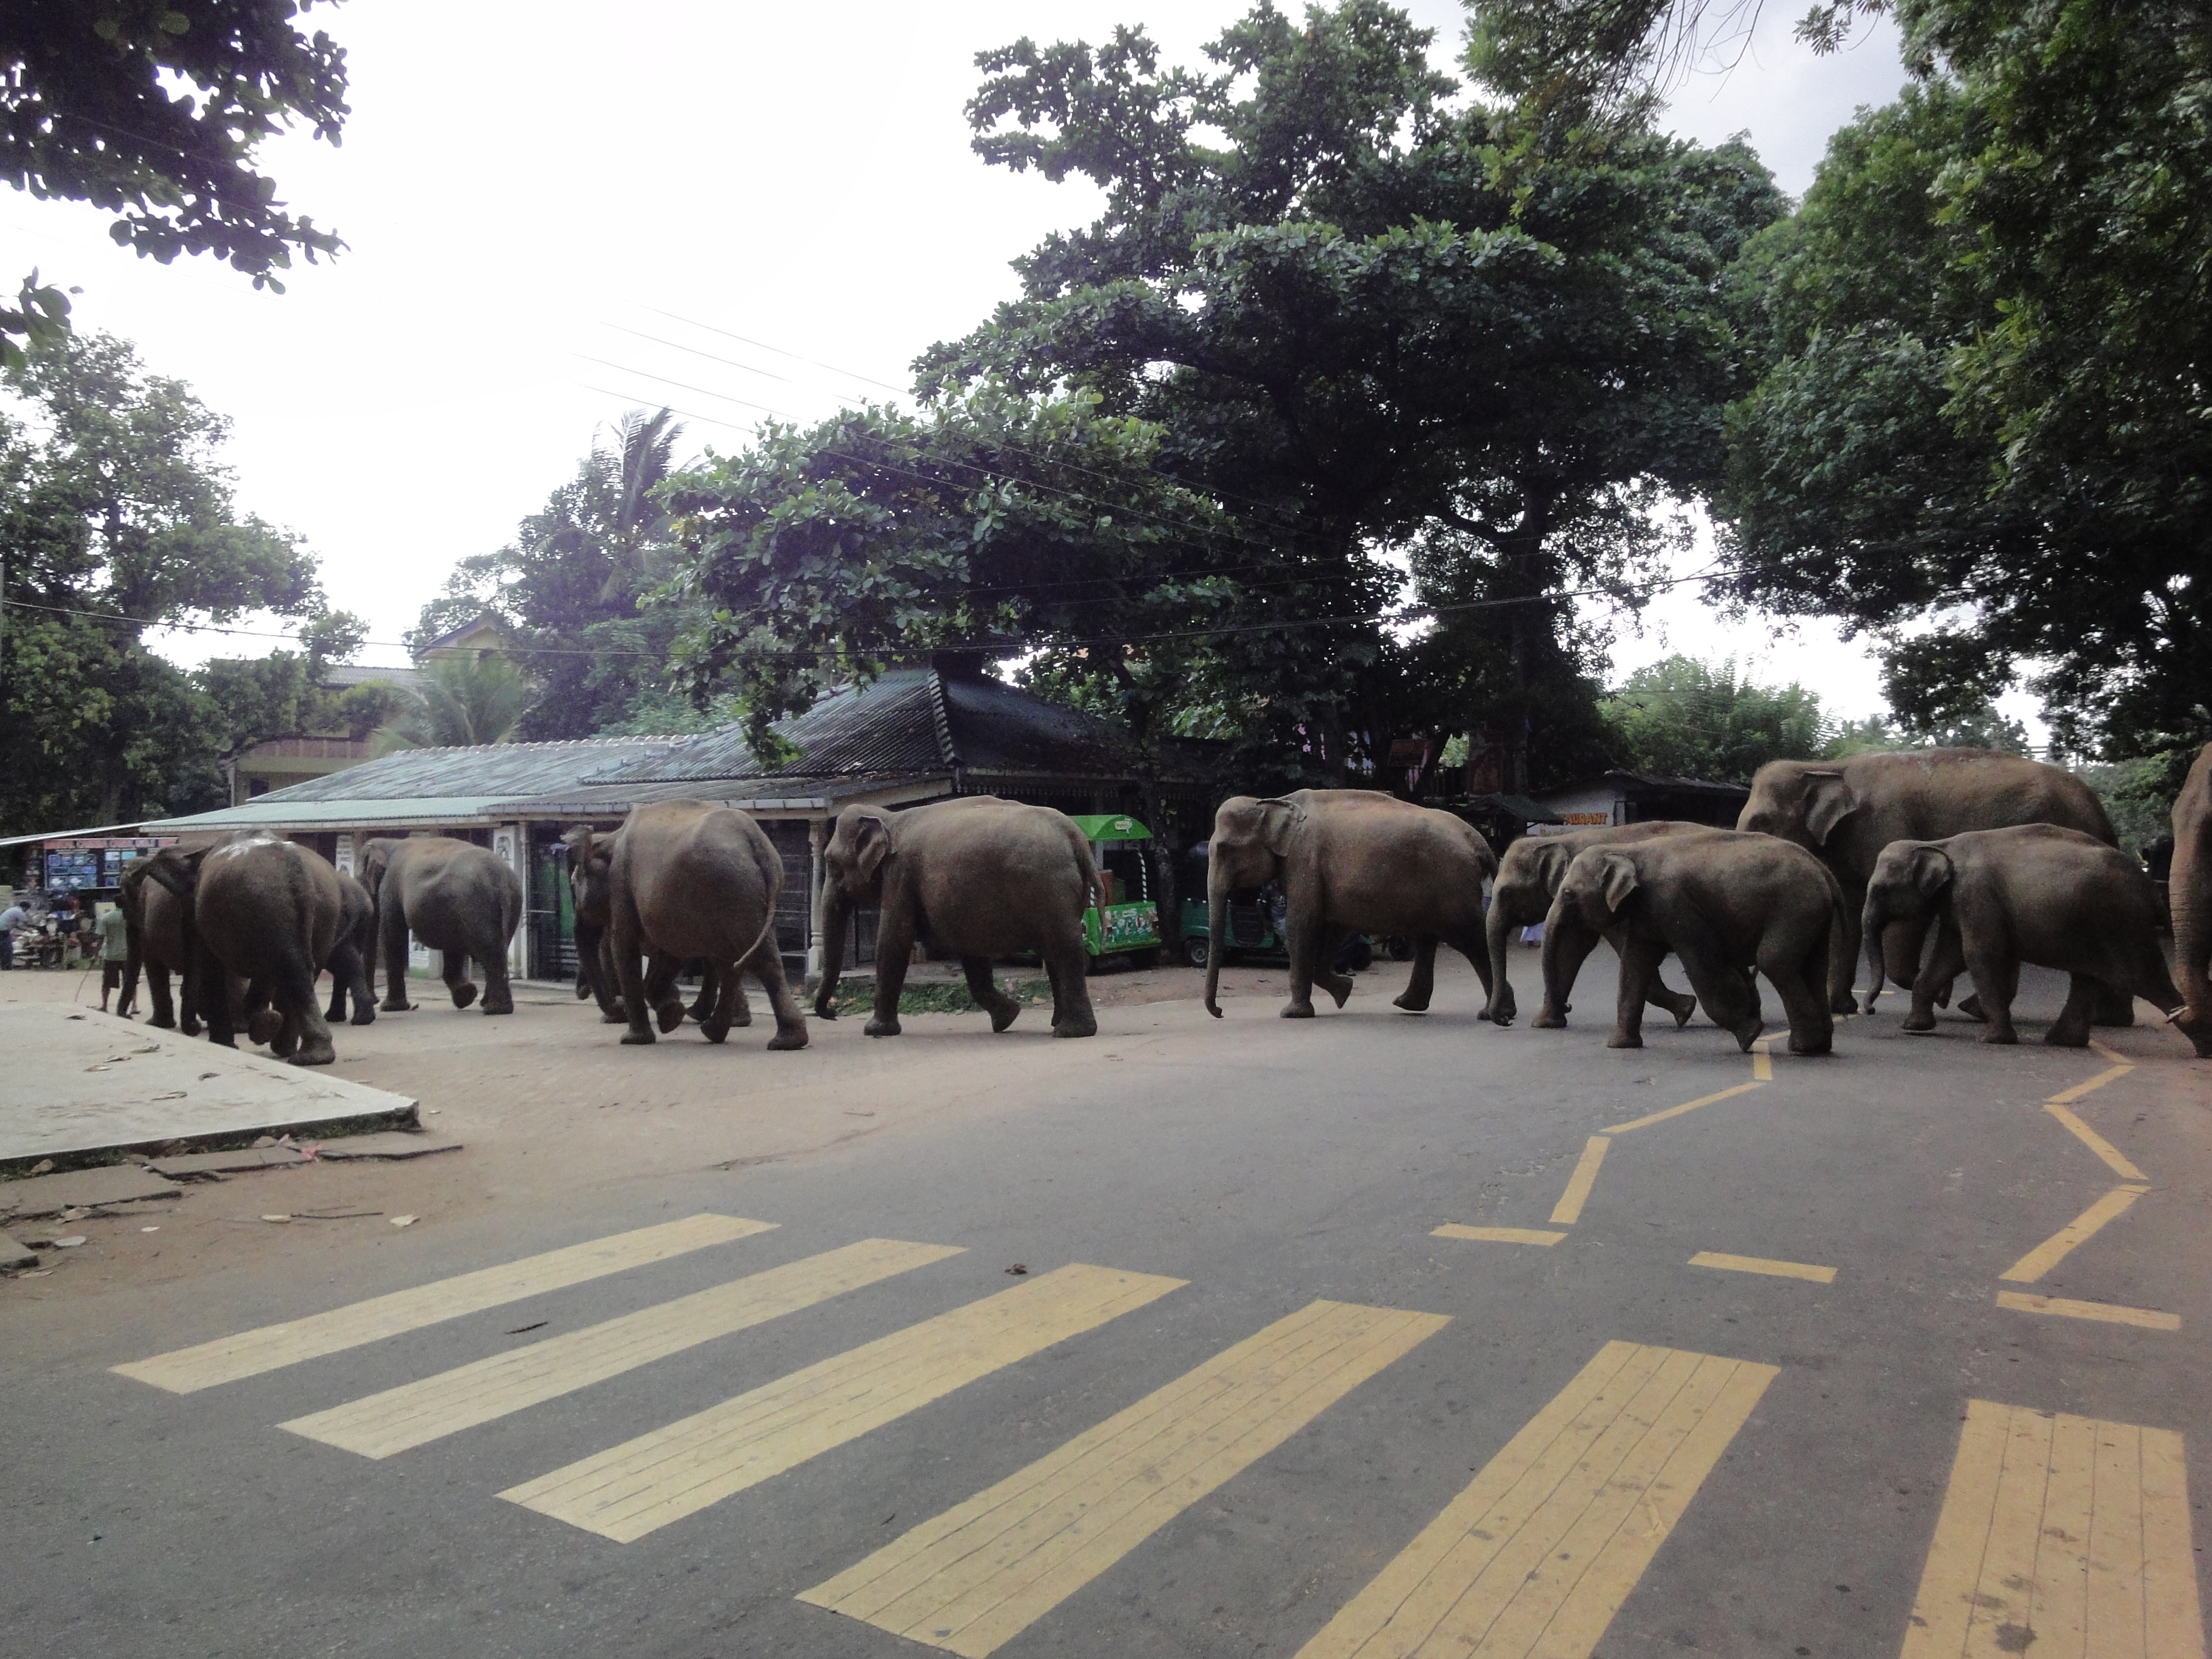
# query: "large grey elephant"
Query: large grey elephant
{"points": [[1350, 860], [2189, 894], [978, 877], [267, 911], [1529, 877], [1847, 810], [591, 894], [685, 879], [454, 896], [154, 924], [2033, 893], [1724, 901]]}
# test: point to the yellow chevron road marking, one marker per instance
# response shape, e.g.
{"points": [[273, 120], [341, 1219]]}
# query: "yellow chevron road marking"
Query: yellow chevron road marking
{"points": [[415, 1414], [2110, 1313], [251, 1352], [981, 1573], [2056, 1249], [1568, 1209], [1676, 1111], [1760, 1264], [1539, 1552], [642, 1484], [1497, 1235], [2114, 1158], [2060, 1536]]}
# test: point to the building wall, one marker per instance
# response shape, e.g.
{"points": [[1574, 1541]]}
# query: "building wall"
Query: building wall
{"points": [[1580, 809]]}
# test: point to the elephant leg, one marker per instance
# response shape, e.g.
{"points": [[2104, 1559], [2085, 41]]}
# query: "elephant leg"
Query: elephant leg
{"points": [[1639, 965], [989, 996], [894, 945], [1566, 947], [1068, 961], [1298, 930], [741, 1012], [660, 994], [1945, 961], [498, 989], [364, 996], [266, 1022], [337, 1011], [1421, 983], [714, 1024], [623, 951], [209, 972], [1800, 978], [611, 998], [1723, 986], [1326, 942], [1656, 994], [157, 991], [459, 985], [1844, 944], [2113, 1006], [767, 965], [1476, 949], [391, 933], [293, 993], [2084, 996], [1996, 982]]}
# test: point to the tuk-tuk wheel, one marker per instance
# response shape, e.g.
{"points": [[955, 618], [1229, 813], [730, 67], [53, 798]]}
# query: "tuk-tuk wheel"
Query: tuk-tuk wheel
{"points": [[1194, 952]]}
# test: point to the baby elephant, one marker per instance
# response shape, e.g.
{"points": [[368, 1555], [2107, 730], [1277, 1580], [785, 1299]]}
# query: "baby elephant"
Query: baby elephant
{"points": [[2033, 893], [1724, 901]]}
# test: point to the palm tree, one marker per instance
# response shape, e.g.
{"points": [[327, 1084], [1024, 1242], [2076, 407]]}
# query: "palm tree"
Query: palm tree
{"points": [[463, 701], [622, 521]]}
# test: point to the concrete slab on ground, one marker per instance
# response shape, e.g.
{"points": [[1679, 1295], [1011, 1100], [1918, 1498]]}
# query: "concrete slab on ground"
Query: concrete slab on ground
{"points": [[82, 1189], [396, 1144], [81, 1082], [192, 1166], [15, 1256]]}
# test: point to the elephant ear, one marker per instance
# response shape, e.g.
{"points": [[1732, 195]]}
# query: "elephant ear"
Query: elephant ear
{"points": [[1930, 871], [1620, 879], [1552, 862], [1278, 821], [873, 839], [178, 871], [1829, 800]]}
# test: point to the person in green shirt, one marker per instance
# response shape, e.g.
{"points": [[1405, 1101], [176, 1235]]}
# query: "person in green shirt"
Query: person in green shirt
{"points": [[114, 952]]}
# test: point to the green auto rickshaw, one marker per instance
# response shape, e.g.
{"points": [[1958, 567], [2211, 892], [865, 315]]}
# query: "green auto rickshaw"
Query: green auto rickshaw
{"points": [[1130, 925]]}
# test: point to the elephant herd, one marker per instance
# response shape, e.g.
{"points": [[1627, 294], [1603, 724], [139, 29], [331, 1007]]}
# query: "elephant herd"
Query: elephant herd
{"points": [[2004, 860]]}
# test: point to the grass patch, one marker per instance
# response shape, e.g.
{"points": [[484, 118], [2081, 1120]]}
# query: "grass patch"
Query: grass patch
{"points": [[940, 997]]}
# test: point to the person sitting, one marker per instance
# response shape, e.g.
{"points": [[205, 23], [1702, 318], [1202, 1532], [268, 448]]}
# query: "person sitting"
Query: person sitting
{"points": [[13, 917]]}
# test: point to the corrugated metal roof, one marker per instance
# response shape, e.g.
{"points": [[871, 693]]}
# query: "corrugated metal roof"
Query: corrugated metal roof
{"points": [[913, 720], [483, 772], [778, 794], [266, 811]]}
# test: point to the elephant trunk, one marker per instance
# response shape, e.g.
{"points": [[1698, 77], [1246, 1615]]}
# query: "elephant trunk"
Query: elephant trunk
{"points": [[2191, 895], [1498, 929], [835, 907], [1217, 929]]}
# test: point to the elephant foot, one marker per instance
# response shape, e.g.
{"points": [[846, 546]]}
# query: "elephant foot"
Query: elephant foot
{"points": [[1847, 1004], [499, 1005], [1005, 1015], [162, 1024], [2197, 1031], [1497, 1019], [465, 993], [2001, 1034], [222, 1041], [266, 1027], [1296, 1010], [824, 1010], [394, 1005], [2067, 1036], [788, 1037], [2117, 1017], [1548, 1021], [1972, 1009], [742, 1018], [1075, 1028], [1407, 1001], [700, 1012], [670, 1015], [366, 1016], [191, 1028], [636, 1037], [282, 1046], [1339, 988], [1623, 1039], [1502, 1008], [881, 1027], [1681, 1011], [1811, 1045], [1748, 1033], [316, 1053], [1920, 1024], [614, 1019], [713, 1030]]}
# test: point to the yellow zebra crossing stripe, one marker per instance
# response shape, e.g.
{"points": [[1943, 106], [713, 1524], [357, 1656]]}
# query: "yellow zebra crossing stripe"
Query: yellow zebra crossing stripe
{"points": [[982, 1572], [2060, 1536], [415, 1414], [1539, 1552], [271, 1346], [642, 1484]]}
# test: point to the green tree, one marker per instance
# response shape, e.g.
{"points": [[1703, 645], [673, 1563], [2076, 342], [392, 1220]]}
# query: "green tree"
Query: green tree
{"points": [[116, 516], [462, 701], [579, 592], [1982, 342], [1683, 718], [1349, 319], [284, 695], [152, 110]]}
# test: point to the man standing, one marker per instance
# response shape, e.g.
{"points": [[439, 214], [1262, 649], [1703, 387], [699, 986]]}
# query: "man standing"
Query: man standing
{"points": [[114, 952], [13, 917]]}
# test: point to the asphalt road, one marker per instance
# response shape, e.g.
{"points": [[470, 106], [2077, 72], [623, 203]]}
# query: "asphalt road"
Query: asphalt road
{"points": [[1571, 1442]]}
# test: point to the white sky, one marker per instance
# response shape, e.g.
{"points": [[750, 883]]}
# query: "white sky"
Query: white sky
{"points": [[520, 184]]}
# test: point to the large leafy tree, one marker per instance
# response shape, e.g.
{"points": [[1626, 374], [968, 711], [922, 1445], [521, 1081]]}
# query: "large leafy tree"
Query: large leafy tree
{"points": [[152, 110], [1348, 320], [576, 590], [1984, 350], [115, 517], [1682, 717]]}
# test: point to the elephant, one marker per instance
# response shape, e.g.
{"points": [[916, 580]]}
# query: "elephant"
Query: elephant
{"points": [[688, 878], [1350, 860], [454, 896], [1724, 901], [2189, 895], [267, 911], [1847, 810], [2033, 893], [976, 875], [153, 920], [1527, 878], [352, 952], [590, 892]]}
